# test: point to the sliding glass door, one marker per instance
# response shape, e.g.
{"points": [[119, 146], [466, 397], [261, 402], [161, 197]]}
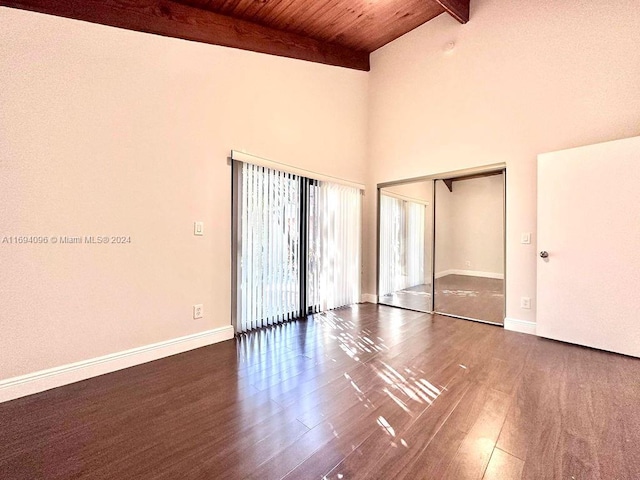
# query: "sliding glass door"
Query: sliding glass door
{"points": [[297, 246]]}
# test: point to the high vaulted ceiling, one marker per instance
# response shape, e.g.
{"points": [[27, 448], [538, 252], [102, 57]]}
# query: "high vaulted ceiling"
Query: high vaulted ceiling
{"points": [[334, 32]]}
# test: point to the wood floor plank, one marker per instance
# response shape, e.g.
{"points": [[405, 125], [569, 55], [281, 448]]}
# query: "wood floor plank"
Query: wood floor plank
{"points": [[397, 413], [393, 451], [469, 409], [435, 458], [533, 423], [350, 430], [474, 453], [294, 454], [503, 466], [361, 392], [395, 462]]}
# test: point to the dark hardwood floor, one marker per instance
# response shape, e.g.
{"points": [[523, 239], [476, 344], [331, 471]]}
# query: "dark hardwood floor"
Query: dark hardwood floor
{"points": [[361, 392], [461, 295]]}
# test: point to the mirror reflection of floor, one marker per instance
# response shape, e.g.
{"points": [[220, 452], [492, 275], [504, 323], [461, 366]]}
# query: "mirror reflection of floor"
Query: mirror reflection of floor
{"points": [[414, 298], [473, 297]]}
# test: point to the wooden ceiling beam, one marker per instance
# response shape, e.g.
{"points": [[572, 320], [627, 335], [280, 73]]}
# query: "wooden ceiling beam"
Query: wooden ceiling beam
{"points": [[170, 19], [458, 9]]}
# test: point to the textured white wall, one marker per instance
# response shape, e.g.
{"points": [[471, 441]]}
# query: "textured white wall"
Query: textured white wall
{"points": [[522, 78], [111, 132]]}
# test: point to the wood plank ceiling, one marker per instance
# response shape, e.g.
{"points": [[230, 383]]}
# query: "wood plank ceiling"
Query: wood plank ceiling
{"points": [[334, 32]]}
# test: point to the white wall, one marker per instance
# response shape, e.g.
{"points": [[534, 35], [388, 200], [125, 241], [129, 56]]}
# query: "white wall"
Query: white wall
{"points": [[111, 132], [523, 78]]}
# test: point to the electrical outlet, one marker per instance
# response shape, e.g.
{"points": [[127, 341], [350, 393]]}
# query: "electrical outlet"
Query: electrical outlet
{"points": [[525, 302], [197, 311], [198, 228], [468, 263]]}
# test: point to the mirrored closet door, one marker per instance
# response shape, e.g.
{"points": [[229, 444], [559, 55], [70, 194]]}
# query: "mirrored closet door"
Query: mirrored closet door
{"points": [[469, 249], [441, 245], [406, 246]]}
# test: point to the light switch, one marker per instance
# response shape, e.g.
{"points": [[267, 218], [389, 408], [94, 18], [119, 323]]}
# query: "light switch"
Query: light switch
{"points": [[198, 228], [525, 238]]}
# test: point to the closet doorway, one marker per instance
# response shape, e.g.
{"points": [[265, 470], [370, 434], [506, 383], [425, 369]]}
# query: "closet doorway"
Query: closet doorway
{"points": [[441, 245]]}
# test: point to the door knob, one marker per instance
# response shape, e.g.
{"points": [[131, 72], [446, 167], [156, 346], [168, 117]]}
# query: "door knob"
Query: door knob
{"points": [[544, 254]]}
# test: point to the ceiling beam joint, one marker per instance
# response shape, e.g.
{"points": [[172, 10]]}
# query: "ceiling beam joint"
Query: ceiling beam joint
{"points": [[458, 9]]}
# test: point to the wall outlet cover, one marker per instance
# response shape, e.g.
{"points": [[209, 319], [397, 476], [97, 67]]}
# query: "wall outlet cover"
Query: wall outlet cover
{"points": [[197, 311]]}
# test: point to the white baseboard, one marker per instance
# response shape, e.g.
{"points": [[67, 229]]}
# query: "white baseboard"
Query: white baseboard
{"points": [[444, 273], [470, 273], [522, 326], [369, 298], [36, 382]]}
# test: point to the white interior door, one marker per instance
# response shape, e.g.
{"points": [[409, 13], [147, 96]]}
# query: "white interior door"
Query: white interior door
{"points": [[589, 223]]}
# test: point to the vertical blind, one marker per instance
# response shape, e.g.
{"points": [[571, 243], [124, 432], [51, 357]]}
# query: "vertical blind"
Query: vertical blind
{"points": [[269, 247], [415, 213], [334, 235], [402, 244], [298, 246], [390, 244]]}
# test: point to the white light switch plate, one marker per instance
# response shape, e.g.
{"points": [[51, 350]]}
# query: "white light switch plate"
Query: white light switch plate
{"points": [[198, 228], [525, 238]]}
